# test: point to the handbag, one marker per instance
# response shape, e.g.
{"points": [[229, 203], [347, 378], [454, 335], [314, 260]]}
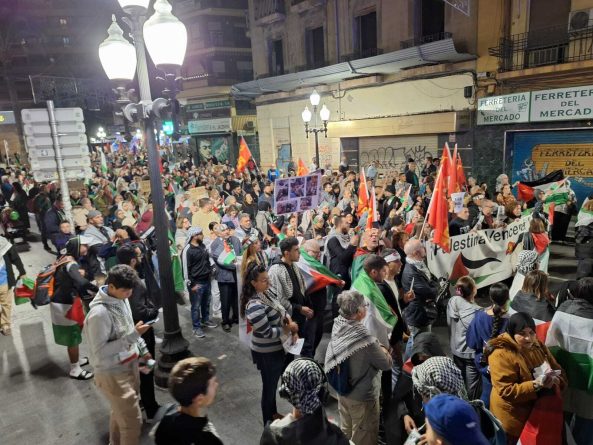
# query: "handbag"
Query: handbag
{"points": [[546, 421]]}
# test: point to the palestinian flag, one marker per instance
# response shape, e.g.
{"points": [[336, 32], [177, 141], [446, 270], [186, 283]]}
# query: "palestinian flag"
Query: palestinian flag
{"points": [[380, 319], [24, 290], [316, 275], [569, 338], [558, 193], [585, 217], [541, 327], [357, 262], [67, 321], [277, 232], [227, 256], [405, 200], [525, 190]]}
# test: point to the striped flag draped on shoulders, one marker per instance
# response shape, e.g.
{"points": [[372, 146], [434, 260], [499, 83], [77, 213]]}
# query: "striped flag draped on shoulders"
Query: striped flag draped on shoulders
{"points": [[380, 319], [570, 339], [316, 275], [227, 256]]}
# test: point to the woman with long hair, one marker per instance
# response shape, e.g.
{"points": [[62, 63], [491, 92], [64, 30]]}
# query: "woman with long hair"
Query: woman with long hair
{"points": [[253, 255], [461, 310], [269, 321], [534, 297], [485, 326]]}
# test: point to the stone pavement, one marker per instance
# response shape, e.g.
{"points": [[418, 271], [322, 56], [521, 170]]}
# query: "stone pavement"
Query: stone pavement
{"points": [[39, 404]]}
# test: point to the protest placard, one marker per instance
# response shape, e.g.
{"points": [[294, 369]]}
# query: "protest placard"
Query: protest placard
{"points": [[484, 255], [297, 194]]}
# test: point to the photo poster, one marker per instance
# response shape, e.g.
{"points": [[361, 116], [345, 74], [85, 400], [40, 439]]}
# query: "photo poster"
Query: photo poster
{"points": [[537, 153], [217, 146], [297, 194]]}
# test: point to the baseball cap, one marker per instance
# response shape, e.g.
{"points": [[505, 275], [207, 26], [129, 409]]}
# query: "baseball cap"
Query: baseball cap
{"points": [[193, 231], [455, 420], [390, 255]]}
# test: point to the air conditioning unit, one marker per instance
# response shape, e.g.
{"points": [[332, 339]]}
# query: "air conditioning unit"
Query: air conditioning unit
{"points": [[249, 125], [579, 21]]}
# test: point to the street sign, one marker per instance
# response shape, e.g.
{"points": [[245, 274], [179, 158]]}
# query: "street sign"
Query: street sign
{"points": [[72, 140]]}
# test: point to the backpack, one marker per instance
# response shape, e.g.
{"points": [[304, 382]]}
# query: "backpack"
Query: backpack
{"points": [[44, 289], [339, 378]]}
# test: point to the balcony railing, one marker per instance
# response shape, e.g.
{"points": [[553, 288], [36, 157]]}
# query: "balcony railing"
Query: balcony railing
{"points": [[540, 47], [370, 52], [425, 39], [268, 11]]}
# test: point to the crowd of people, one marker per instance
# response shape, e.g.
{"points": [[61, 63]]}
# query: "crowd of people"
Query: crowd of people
{"points": [[234, 259]]}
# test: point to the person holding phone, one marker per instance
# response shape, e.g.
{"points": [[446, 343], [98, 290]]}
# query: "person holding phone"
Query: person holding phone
{"points": [[116, 345]]}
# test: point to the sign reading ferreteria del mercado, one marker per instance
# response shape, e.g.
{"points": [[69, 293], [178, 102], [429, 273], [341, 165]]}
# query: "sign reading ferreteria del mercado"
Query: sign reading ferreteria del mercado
{"points": [[561, 104]]}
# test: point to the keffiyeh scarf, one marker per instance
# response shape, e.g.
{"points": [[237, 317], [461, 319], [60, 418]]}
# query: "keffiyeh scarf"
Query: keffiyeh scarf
{"points": [[438, 375], [302, 382], [348, 337]]}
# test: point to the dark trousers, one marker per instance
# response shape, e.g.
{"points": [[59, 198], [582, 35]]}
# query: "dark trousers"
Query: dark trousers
{"points": [[471, 376], [42, 231], [147, 380], [228, 300], [486, 390], [313, 331], [200, 304], [271, 366], [560, 226]]}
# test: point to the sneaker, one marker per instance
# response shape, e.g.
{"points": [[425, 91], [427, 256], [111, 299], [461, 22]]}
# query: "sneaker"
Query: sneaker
{"points": [[226, 327], [199, 333], [209, 324]]}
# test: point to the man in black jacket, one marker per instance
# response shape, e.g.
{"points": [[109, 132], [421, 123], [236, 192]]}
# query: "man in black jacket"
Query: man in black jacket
{"points": [[340, 250], [143, 309], [461, 224], [195, 260], [7, 282], [52, 219]]}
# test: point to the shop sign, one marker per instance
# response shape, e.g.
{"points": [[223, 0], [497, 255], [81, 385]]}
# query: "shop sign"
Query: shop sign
{"points": [[225, 103], [562, 104], [508, 109], [7, 117], [575, 160], [209, 126]]}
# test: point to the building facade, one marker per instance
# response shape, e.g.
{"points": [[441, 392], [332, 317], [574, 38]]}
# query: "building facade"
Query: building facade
{"points": [[218, 56], [398, 77]]}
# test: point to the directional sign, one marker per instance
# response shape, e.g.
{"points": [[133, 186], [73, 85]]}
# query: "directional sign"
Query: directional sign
{"points": [[72, 139]]}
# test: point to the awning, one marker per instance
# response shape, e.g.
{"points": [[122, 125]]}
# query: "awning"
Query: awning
{"points": [[427, 54]]}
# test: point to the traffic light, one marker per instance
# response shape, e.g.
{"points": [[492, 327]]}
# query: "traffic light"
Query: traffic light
{"points": [[168, 127]]}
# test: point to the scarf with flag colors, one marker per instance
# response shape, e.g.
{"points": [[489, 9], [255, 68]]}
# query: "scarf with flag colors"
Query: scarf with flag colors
{"points": [[104, 168], [358, 261], [379, 319], [244, 155], [316, 275], [363, 195], [227, 256], [302, 169]]}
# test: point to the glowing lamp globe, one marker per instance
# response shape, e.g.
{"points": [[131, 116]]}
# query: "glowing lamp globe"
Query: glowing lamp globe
{"points": [[165, 36], [117, 55]]}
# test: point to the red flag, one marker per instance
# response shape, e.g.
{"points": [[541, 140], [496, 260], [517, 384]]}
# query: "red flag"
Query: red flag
{"points": [[372, 215], [244, 155], [438, 217], [363, 194], [453, 183], [302, 169], [461, 181], [446, 162]]}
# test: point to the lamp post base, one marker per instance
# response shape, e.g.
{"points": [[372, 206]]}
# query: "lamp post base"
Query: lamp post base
{"points": [[173, 349]]}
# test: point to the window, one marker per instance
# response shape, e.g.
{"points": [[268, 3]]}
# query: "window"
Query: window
{"points": [[276, 58], [244, 69], [366, 26], [315, 47], [63, 21], [433, 18]]}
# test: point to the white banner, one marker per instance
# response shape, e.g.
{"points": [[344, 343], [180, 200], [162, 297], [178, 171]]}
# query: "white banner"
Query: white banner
{"points": [[484, 255]]}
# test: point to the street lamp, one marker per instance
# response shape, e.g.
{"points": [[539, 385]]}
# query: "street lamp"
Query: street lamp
{"points": [[172, 36], [101, 134], [306, 115]]}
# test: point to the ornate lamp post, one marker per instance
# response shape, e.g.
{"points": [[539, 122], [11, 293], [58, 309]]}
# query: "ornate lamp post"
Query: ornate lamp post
{"points": [[323, 114], [166, 40]]}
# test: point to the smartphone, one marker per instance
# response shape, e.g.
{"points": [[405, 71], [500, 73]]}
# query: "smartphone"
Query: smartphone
{"points": [[412, 283], [151, 322]]}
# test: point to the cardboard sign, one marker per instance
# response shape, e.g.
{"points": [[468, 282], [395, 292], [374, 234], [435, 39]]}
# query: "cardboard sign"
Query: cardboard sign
{"points": [[76, 185], [144, 189], [297, 194], [198, 193], [458, 201]]}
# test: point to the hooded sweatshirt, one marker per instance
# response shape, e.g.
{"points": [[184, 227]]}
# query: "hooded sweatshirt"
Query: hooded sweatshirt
{"points": [[460, 314], [114, 343]]}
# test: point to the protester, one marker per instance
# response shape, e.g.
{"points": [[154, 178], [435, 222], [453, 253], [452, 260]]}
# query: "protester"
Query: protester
{"points": [[461, 310], [534, 297], [351, 346], [526, 263], [485, 326], [193, 384], [304, 385], [516, 381], [10, 259], [269, 320], [116, 345]]}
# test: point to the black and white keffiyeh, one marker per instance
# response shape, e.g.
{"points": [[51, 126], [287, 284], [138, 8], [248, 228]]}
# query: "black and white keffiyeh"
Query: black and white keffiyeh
{"points": [[302, 381], [438, 375], [348, 337]]}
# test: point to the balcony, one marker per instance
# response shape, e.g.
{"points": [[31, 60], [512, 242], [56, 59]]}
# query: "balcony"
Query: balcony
{"points": [[541, 47], [369, 52], [266, 12], [298, 6], [425, 39]]}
